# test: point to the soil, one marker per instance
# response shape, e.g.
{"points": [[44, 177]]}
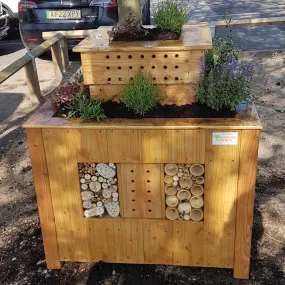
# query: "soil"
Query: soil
{"points": [[196, 110], [22, 260]]}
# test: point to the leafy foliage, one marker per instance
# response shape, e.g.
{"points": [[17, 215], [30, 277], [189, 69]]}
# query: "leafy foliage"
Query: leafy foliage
{"points": [[86, 108], [225, 82], [170, 16], [140, 95]]}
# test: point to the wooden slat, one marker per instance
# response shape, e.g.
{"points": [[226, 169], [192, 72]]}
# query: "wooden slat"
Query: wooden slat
{"points": [[173, 146], [61, 146], [179, 94], [44, 198], [57, 61], [140, 191], [158, 246], [245, 201], [177, 67], [101, 239], [123, 145], [64, 54], [188, 243], [129, 241], [193, 37], [43, 119], [221, 178], [73, 34]]}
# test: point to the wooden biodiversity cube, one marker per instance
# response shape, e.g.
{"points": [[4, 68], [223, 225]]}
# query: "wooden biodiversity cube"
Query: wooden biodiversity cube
{"points": [[174, 65], [174, 191]]}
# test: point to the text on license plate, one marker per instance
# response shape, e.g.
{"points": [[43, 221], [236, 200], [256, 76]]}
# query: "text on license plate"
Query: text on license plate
{"points": [[65, 14]]}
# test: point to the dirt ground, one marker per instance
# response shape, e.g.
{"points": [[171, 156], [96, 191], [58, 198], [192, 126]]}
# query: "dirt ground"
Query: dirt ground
{"points": [[22, 258]]}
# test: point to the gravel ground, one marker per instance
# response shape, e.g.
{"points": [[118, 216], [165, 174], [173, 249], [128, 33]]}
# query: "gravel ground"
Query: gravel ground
{"points": [[22, 258]]}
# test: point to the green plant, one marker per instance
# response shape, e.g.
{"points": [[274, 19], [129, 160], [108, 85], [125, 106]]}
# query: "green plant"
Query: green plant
{"points": [[140, 95], [225, 82], [86, 108], [170, 15]]}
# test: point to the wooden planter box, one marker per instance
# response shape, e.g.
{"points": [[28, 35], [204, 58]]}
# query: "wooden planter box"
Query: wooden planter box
{"points": [[140, 148], [174, 65]]}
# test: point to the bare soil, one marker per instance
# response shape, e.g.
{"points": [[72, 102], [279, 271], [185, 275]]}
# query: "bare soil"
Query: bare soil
{"points": [[22, 258]]}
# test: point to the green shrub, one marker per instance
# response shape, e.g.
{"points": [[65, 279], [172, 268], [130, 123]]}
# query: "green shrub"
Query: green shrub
{"points": [[225, 82], [169, 15], [86, 109], [140, 95]]}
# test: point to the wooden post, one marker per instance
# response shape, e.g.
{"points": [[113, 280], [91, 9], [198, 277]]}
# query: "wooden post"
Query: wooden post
{"points": [[57, 60], [245, 202], [129, 6], [33, 82], [64, 54], [42, 187]]}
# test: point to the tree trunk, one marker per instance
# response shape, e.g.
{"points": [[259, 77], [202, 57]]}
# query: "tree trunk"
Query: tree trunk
{"points": [[128, 6]]}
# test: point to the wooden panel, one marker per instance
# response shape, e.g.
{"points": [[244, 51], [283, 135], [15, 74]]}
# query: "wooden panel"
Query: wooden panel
{"points": [[193, 37], [61, 148], [178, 67], [123, 145], [101, 239], [221, 178], [94, 146], [179, 94], [44, 199], [140, 190], [245, 201], [173, 146], [158, 242], [129, 241], [188, 243]]}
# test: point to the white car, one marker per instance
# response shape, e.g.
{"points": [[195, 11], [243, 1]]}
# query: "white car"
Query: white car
{"points": [[10, 8]]}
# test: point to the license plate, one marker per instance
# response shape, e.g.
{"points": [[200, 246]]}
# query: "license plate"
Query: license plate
{"points": [[64, 15]]}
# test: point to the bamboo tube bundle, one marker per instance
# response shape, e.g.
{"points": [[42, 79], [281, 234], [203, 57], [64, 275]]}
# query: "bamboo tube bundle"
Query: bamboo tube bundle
{"points": [[98, 183]]}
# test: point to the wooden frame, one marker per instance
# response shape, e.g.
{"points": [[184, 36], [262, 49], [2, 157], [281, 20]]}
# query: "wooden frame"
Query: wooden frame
{"points": [[222, 240]]}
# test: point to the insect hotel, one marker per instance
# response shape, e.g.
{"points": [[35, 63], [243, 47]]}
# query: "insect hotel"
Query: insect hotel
{"points": [[175, 191]]}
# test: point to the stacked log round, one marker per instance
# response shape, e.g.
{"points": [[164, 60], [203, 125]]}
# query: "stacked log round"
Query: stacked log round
{"points": [[184, 190], [99, 189]]}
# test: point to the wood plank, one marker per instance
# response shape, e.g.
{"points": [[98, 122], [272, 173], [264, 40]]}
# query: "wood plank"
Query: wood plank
{"points": [[173, 146], [57, 61], [64, 54], [179, 94], [101, 239], [129, 241], [245, 201], [72, 34], [221, 179], [140, 191], [158, 247], [33, 83], [123, 145], [43, 118], [179, 67], [188, 243], [44, 198], [61, 146], [190, 39]]}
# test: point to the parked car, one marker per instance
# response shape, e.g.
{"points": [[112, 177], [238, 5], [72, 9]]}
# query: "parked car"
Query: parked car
{"points": [[10, 8], [54, 15], [3, 23]]}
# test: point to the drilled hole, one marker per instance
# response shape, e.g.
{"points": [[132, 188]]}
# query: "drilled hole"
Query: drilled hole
{"points": [[153, 56], [142, 56], [165, 67], [147, 171], [149, 201], [134, 210], [176, 78], [107, 56], [118, 56], [108, 67], [133, 191], [153, 67], [133, 200], [130, 56], [177, 55], [165, 56], [148, 191], [149, 210], [130, 67], [120, 79], [148, 181], [165, 78], [132, 78], [119, 67], [153, 78], [142, 67], [132, 170], [176, 66], [132, 180], [109, 79]]}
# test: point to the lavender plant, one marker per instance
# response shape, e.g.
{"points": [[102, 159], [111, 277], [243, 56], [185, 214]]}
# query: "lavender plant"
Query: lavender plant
{"points": [[225, 82]]}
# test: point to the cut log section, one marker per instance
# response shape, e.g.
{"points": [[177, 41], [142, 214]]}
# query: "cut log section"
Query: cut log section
{"points": [[171, 201], [183, 195], [197, 190], [170, 190], [171, 169], [184, 208], [197, 169], [197, 202], [171, 214], [196, 215]]}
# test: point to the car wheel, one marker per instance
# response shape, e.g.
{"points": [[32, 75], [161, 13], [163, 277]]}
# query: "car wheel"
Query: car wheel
{"points": [[8, 21]]}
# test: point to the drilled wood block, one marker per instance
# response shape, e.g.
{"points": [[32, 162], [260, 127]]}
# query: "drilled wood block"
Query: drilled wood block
{"points": [[141, 190]]}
